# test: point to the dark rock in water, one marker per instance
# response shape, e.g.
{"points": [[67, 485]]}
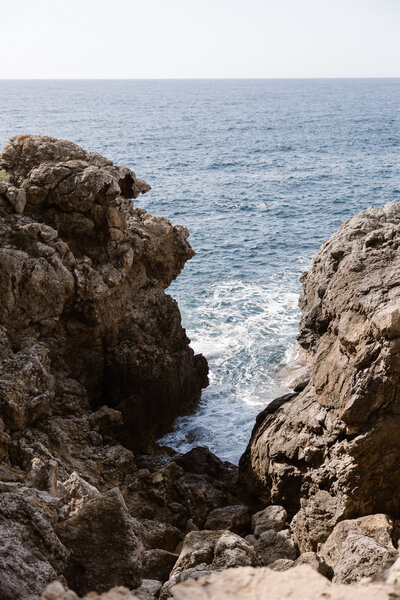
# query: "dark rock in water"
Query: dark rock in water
{"points": [[332, 451]]}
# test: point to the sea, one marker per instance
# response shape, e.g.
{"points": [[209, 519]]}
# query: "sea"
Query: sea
{"points": [[261, 172]]}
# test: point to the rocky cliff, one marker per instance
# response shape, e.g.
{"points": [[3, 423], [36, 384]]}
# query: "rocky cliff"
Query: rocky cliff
{"points": [[95, 365], [83, 307], [332, 452]]}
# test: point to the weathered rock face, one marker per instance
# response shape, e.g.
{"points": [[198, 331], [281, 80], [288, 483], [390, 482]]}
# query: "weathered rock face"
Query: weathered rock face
{"points": [[82, 290], [359, 548], [94, 363], [301, 583], [331, 452]]}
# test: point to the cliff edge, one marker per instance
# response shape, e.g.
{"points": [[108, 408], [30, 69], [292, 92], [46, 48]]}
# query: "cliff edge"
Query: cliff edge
{"points": [[332, 452], [82, 307]]}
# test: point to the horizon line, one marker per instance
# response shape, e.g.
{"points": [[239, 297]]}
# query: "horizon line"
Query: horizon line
{"points": [[195, 78]]}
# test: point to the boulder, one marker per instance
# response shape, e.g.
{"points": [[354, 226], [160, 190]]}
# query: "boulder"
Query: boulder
{"points": [[31, 554], [158, 564], [105, 550], [56, 591], [272, 517], [274, 545], [235, 518], [207, 551], [82, 276], [359, 548]]}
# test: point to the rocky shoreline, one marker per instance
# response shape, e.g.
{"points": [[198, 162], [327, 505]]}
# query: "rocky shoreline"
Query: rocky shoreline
{"points": [[95, 366]]}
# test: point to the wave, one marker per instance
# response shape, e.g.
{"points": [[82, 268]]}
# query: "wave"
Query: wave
{"points": [[247, 332]]}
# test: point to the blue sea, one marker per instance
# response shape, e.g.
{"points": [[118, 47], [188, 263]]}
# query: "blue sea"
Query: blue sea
{"points": [[261, 172]]}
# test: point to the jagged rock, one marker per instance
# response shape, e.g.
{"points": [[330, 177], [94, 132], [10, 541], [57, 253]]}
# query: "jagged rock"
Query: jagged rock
{"points": [[359, 548], [159, 535], [178, 497], [43, 475], [31, 554], [207, 551], [273, 517], [235, 518], [341, 435], [201, 461], [217, 549], [104, 548], [82, 275], [315, 562], [301, 583], [75, 492], [274, 545], [281, 564]]}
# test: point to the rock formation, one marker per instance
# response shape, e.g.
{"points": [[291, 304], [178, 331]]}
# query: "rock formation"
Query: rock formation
{"points": [[82, 285], [331, 452], [95, 365]]}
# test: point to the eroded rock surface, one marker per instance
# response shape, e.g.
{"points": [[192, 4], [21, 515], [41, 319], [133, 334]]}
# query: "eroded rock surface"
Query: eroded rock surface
{"points": [[300, 583], [94, 364], [331, 452]]}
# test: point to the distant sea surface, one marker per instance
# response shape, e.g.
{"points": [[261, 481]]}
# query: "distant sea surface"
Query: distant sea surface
{"points": [[261, 172]]}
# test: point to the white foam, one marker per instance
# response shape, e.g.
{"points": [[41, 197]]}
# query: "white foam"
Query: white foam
{"points": [[247, 333]]}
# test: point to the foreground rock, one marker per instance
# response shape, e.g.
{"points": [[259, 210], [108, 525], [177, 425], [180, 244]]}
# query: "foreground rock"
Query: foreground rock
{"points": [[94, 364], [301, 583], [331, 452]]}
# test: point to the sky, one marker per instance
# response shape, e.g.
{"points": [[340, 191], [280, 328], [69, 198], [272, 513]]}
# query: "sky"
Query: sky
{"points": [[199, 38]]}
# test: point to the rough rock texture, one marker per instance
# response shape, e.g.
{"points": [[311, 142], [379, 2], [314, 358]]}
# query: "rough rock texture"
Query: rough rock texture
{"points": [[56, 591], [94, 364], [235, 518], [359, 548], [104, 548], [82, 279], [331, 452], [207, 551], [300, 583]]}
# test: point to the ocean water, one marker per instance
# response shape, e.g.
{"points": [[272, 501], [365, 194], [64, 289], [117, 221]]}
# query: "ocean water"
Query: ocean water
{"points": [[261, 172]]}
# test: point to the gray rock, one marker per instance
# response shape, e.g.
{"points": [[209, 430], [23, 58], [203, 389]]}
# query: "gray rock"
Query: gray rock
{"points": [[359, 548], [272, 517], [235, 518], [103, 545]]}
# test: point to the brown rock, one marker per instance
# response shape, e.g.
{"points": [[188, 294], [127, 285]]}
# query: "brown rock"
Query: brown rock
{"points": [[158, 564], [235, 518], [359, 548], [104, 548], [301, 583], [330, 452], [273, 517]]}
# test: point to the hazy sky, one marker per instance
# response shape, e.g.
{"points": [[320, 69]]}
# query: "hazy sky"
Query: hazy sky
{"points": [[199, 38]]}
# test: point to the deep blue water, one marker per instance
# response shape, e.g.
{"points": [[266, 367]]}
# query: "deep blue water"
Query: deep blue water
{"points": [[261, 172]]}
